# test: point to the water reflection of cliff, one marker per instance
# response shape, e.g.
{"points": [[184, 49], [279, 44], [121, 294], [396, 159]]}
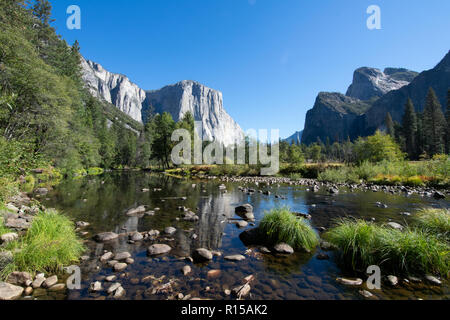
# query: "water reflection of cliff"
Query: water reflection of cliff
{"points": [[214, 212]]}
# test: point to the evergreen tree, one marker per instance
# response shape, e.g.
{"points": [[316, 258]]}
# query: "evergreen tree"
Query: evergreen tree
{"points": [[389, 125], [162, 128], [434, 125], [410, 130]]}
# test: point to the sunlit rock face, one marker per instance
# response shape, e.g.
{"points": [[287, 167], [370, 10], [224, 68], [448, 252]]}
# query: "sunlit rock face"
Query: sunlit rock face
{"points": [[205, 104], [371, 82], [114, 88]]}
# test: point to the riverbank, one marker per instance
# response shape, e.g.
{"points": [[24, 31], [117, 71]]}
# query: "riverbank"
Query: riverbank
{"points": [[36, 244]]}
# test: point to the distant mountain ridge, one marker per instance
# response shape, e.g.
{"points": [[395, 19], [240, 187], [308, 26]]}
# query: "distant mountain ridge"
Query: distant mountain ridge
{"points": [[369, 98], [295, 138], [205, 104]]}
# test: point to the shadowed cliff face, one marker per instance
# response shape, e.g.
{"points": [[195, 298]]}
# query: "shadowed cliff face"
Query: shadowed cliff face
{"points": [[204, 103], [332, 117]]}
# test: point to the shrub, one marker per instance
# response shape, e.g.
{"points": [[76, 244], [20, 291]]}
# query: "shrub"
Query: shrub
{"points": [[281, 225], [50, 244], [410, 251]]}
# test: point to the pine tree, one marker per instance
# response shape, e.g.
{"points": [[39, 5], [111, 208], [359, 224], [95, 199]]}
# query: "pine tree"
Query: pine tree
{"points": [[434, 125], [389, 125], [410, 129]]}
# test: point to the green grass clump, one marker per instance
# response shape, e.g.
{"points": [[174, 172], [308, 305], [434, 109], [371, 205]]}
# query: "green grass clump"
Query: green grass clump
{"points": [[435, 220], [50, 244], [281, 225], [412, 251]]}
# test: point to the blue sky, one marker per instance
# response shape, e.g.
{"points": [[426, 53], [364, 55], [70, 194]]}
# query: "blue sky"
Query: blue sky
{"points": [[270, 58]]}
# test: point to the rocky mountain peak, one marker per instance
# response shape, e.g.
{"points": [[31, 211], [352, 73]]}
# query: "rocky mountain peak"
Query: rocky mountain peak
{"points": [[372, 82]]}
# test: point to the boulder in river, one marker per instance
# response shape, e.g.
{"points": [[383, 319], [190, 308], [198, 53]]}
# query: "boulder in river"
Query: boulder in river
{"points": [[9, 291], [106, 236], [283, 248], [395, 225], [350, 282], [236, 257], [202, 255], [158, 249], [245, 211], [19, 278], [252, 237]]}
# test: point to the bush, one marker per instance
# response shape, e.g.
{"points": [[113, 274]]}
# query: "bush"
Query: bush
{"points": [[377, 148], [410, 251], [281, 225], [50, 244], [340, 175]]}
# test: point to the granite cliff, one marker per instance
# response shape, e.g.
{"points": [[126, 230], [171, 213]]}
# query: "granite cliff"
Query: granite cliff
{"points": [[204, 103]]}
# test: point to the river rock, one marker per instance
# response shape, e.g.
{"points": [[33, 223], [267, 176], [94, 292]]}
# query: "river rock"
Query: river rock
{"points": [[170, 231], [283, 248], [236, 257], [110, 278], [136, 236], [122, 256], [106, 236], [395, 225], [9, 237], [120, 293], [241, 291], [119, 267], [58, 287], [242, 224], [38, 281], [136, 211], [17, 224], [186, 270], [350, 282], [433, 280], [19, 278], [438, 195], [112, 263], [96, 286], [212, 274], [158, 249], [202, 255], [393, 280], [153, 233], [113, 287], [245, 211], [50, 282], [6, 258], [12, 208], [28, 291], [9, 291], [107, 256], [82, 224], [366, 294]]}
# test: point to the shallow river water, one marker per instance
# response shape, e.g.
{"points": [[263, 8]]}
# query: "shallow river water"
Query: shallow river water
{"points": [[104, 200]]}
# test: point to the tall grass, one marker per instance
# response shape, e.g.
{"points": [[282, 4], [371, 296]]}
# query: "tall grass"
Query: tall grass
{"points": [[435, 220], [412, 251], [433, 172], [281, 225], [50, 244]]}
